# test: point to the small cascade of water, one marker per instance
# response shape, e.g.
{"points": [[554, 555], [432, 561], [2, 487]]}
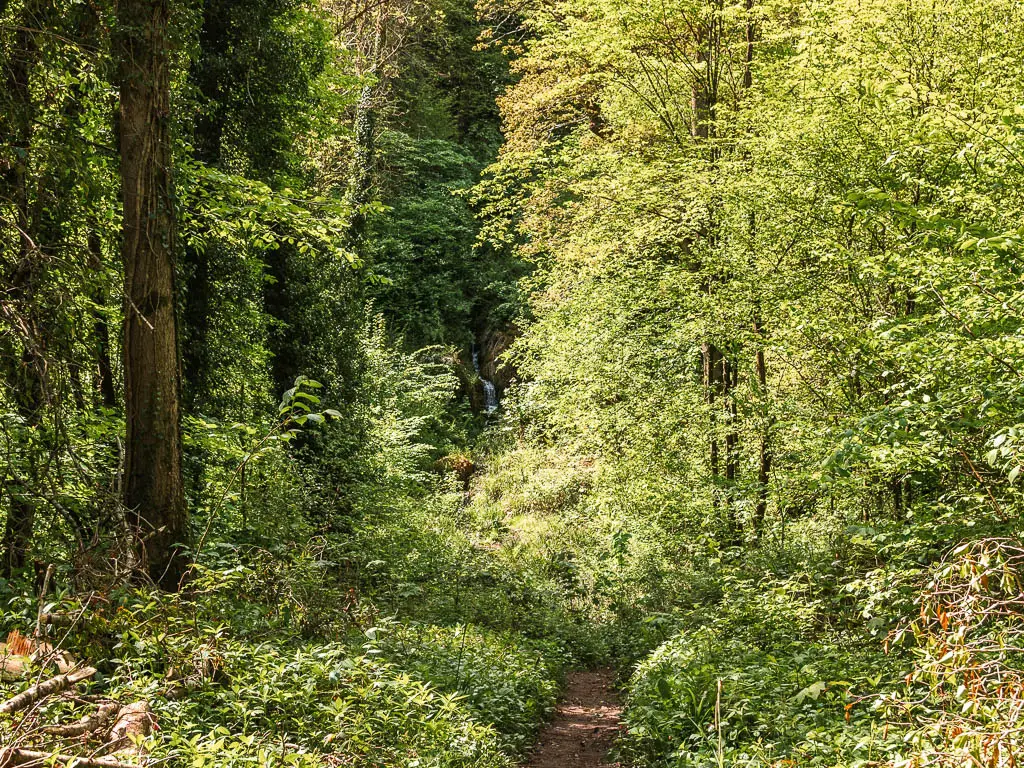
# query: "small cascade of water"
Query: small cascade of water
{"points": [[490, 396], [490, 393]]}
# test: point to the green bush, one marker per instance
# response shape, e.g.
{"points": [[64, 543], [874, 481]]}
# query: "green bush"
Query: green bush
{"points": [[274, 699], [501, 678], [322, 699], [754, 680]]}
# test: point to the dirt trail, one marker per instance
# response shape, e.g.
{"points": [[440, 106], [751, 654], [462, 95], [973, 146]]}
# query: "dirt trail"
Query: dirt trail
{"points": [[585, 725]]}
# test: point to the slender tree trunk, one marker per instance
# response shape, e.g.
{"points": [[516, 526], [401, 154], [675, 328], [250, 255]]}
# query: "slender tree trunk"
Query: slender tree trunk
{"points": [[730, 378], [101, 331], [701, 101], [196, 356], [712, 359], [897, 494], [751, 36], [153, 487], [764, 464]]}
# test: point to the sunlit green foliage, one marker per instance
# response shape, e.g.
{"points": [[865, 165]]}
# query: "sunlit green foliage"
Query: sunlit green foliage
{"points": [[822, 196]]}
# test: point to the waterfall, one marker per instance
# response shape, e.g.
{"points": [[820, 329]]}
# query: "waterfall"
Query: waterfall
{"points": [[490, 393]]}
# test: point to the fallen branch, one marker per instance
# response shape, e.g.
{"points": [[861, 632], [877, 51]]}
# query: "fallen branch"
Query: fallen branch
{"points": [[58, 619], [12, 757], [87, 724], [41, 690]]}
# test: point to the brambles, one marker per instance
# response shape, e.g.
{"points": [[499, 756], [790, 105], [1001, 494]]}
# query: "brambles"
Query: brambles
{"points": [[965, 696]]}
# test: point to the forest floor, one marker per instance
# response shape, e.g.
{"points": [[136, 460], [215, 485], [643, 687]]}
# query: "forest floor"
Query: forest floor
{"points": [[585, 725]]}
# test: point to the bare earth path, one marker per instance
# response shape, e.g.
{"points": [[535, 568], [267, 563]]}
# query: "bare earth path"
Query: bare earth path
{"points": [[585, 725]]}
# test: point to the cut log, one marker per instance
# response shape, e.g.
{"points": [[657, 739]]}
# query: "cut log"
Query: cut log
{"points": [[18, 651], [18, 644], [41, 690], [13, 757], [87, 724], [134, 722]]}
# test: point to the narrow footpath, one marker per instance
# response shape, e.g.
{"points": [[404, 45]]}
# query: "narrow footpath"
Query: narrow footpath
{"points": [[585, 725]]}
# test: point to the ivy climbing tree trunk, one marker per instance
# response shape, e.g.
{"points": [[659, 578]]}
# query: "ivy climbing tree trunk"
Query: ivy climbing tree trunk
{"points": [[153, 488], [365, 155], [366, 133]]}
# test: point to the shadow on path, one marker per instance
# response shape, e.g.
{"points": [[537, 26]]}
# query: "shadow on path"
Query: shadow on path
{"points": [[585, 725]]}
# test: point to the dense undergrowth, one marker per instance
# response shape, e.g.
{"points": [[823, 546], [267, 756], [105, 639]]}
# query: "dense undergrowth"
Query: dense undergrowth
{"points": [[401, 637], [287, 662], [834, 641], [436, 630]]}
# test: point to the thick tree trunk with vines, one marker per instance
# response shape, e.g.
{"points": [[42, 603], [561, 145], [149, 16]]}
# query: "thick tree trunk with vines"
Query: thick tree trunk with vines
{"points": [[153, 489], [365, 156]]}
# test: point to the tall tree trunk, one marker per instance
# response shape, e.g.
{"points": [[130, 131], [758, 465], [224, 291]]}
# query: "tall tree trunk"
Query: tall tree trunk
{"points": [[153, 487], [24, 370], [717, 367], [214, 37], [63, 183], [764, 449]]}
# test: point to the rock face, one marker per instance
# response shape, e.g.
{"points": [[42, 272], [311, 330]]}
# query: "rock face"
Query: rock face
{"points": [[480, 365], [492, 346]]}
